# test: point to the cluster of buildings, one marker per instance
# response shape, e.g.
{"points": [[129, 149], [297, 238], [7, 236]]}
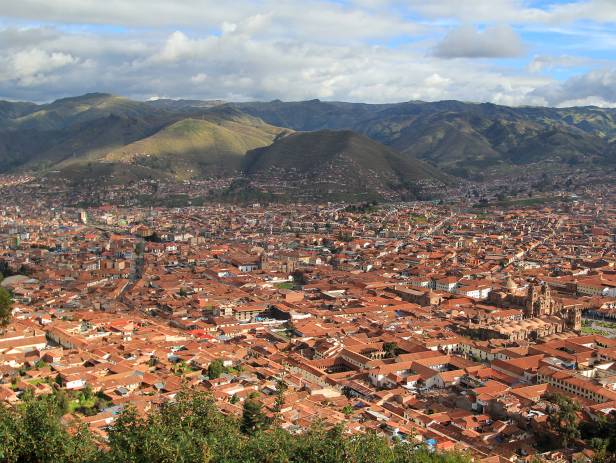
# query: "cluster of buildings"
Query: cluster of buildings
{"points": [[436, 323]]}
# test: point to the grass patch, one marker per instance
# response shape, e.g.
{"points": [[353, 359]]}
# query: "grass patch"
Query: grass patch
{"points": [[589, 330], [37, 381], [81, 404], [417, 218], [285, 285]]}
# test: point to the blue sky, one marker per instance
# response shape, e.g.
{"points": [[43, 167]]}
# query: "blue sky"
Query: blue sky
{"points": [[513, 52]]}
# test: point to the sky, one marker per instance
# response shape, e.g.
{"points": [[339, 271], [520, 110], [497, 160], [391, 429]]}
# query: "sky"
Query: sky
{"points": [[511, 52]]}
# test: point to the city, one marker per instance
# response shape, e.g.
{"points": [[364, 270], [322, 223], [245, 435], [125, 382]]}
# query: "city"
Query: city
{"points": [[438, 324], [307, 231]]}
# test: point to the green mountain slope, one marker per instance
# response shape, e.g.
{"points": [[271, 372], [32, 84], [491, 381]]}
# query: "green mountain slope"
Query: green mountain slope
{"points": [[190, 147], [12, 110], [41, 136], [188, 138], [77, 110], [456, 135], [92, 139], [183, 140], [336, 164]]}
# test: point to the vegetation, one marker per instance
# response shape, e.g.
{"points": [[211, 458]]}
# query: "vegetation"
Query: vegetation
{"points": [[464, 139], [417, 218], [196, 147], [215, 369], [186, 139], [32, 432], [299, 277], [281, 388], [564, 418], [391, 349], [253, 417], [601, 435], [6, 306], [241, 191], [591, 330], [363, 208], [285, 285], [603, 324], [341, 164], [191, 429]]}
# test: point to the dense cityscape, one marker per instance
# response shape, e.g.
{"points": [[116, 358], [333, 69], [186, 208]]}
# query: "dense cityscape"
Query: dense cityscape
{"points": [[450, 325], [307, 231]]}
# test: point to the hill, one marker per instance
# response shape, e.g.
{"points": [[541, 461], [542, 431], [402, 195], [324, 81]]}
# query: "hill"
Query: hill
{"points": [[191, 138], [336, 164], [37, 137], [463, 138], [75, 110], [213, 145], [187, 140]]}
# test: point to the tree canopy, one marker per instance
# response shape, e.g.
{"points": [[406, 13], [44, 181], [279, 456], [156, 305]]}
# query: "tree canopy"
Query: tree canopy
{"points": [[191, 429], [564, 418], [215, 369], [299, 277], [6, 306]]}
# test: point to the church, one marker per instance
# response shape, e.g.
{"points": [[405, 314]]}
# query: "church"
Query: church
{"points": [[543, 314]]}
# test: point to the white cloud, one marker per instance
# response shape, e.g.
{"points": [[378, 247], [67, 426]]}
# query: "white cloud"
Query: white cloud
{"points": [[601, 11], [541, 63], [356, 50], [468, 42], [178, 46], [318, 20], [237, 66], [597, 87], [518, 11], [478, 11], [199, 78], [32, 66]]}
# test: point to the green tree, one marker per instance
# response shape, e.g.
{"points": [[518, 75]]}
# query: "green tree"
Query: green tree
{"points": [[6, 306], [192, 429], [299, 277], [564, 418], [391, 349], [600, 433], [253, 418], [62, 400], [215, 369], [275, 446], [370, 447], [40, 363], [281, 388], [87, 393], [322, 445], [33, 433]]}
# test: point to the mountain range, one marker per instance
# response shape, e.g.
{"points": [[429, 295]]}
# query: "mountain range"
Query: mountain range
{"points": [[381, 150], [337, 164], [461, 138]]}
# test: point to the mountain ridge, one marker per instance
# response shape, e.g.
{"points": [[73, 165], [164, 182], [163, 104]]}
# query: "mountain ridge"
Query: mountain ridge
{"points": [[470, 140], [336, 163]]}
